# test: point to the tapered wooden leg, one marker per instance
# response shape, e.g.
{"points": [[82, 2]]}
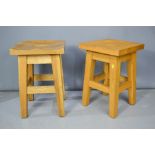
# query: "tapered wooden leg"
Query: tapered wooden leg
{"points": [[22, 71], [89, 75], [131, 67], [114, 88], [106, 72], [57, 74], [30, 80], [62, 78]]}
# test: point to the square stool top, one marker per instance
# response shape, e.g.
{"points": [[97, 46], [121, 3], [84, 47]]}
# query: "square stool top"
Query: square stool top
{"points": [[38, 47], [111, 47]]}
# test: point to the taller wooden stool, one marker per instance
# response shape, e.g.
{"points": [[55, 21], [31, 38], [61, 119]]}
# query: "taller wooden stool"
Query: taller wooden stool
{"points": [[39, 52], [112, 53]]}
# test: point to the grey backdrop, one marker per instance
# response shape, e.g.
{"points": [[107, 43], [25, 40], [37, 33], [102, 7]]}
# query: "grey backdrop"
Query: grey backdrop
{"points": [[74, 58]]}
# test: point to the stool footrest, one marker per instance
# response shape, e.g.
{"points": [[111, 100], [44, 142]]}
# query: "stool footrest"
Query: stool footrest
{"points": [[99, 77], [123, 78], [43, 77], [124, 86], [40, 89], [98, 86]]}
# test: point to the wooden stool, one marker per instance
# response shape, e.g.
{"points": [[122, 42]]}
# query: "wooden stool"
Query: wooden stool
{"points": [[112, 53], [39, 52]]}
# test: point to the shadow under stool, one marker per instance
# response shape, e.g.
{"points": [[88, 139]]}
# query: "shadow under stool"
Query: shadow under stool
{"points": [[112, 53], [39, 52]]}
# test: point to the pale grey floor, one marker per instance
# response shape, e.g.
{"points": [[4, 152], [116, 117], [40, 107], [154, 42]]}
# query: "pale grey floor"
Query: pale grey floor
{"points": [[43, 112]]}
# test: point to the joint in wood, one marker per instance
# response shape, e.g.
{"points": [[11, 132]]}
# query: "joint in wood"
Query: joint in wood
{"points": [[99, 86]]}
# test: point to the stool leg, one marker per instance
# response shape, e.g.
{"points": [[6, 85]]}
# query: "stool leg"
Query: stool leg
{"points": [[62, 78], [89, 74], [114, 87], [22, 71], [30, 80], [106, 72], [57, 74], [131, 67]]}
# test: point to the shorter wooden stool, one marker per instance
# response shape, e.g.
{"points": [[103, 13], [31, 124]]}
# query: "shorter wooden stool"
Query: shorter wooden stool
{"points": [[39, 52], [112, 53]]}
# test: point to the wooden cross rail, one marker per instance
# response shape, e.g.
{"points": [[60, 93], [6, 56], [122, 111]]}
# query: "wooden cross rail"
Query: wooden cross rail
{"points": [[43, 77], [40, 89]]}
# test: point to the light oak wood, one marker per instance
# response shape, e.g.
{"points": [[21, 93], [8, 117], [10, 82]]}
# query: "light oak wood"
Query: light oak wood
{"points": [[99, 77], [123, 78], [39, 52], [124, 86], [112, 53], [103, 76], [131, 68], [98, 86], [106, 73], [38, 47], [40, 89], [63, 86], [125, 58], [103, 57], [114, 88], [22, 73], [111, 47], [57, 74], [39, 59], [43, 77], [89, 76], [30, 80]]}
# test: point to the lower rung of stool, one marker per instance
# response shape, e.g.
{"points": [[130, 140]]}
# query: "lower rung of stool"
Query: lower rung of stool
{"points": [[40, 89]]}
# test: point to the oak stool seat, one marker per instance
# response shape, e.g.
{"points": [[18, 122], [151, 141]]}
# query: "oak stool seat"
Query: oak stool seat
{"points": [[33, 52], [112, 53]]}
